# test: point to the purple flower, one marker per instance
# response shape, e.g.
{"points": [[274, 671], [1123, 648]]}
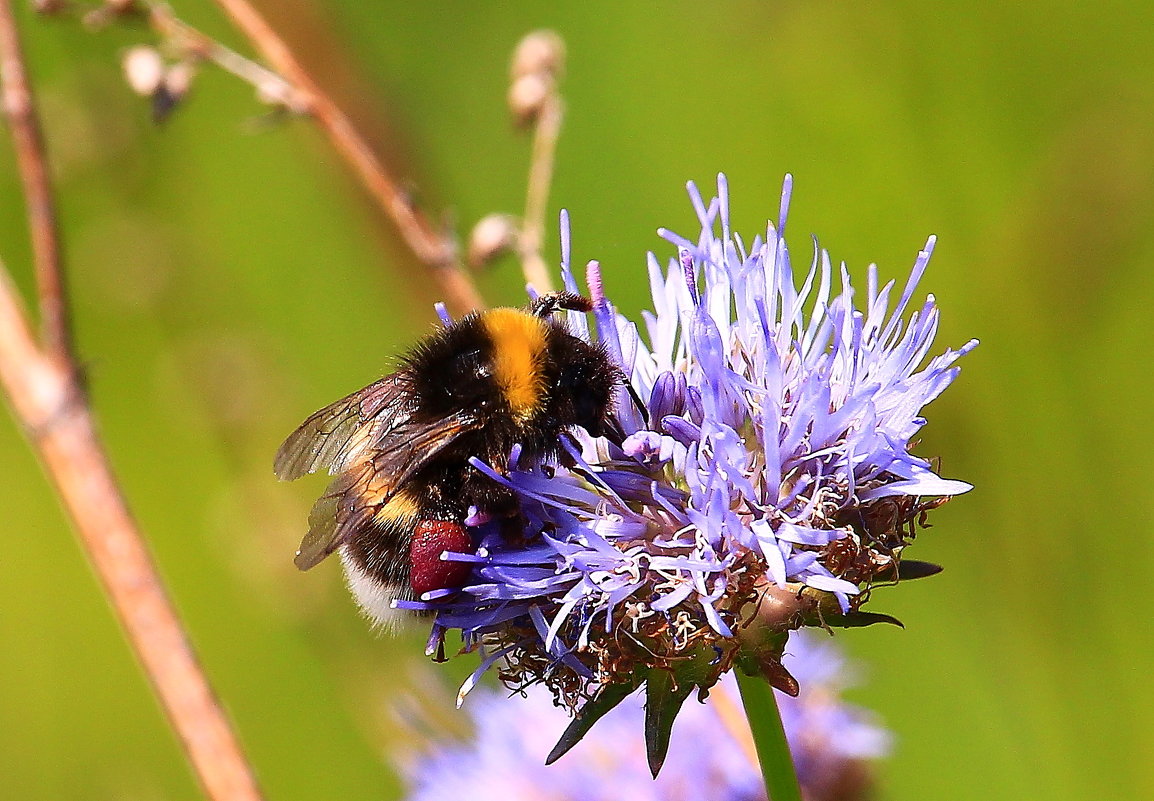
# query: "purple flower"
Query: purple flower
{"points": [[764, 481], [711, 756]]}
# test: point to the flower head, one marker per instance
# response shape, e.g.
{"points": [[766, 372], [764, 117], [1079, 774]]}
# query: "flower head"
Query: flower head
{"points": [[764, 479], [711, 754]]}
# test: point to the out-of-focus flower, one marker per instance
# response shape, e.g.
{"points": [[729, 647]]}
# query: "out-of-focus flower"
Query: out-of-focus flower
{"points": [[143, 69], [764, 480], [710, 752], [492, 236], [537, 65]]}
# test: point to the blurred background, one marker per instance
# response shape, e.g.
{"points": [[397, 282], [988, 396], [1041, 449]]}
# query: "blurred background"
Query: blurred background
{"points": [[229, 278]]}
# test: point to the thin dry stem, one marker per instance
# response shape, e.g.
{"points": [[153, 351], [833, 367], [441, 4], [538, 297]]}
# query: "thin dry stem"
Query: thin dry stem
{"points": [[428, 244], [20, 110], [48, 401], [545, 135], [47, 397], [271, 86]]}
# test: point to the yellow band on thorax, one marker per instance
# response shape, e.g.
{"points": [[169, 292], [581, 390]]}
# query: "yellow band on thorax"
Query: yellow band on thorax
{"points": [[518, 346]]}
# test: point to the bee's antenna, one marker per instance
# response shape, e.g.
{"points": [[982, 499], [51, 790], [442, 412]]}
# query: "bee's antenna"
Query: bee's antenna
{"points": [[640, 404], [546, 305]]}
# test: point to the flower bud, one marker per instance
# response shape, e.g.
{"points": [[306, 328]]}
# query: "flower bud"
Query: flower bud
{"points": [[144, 69], [178, 79], [539, 53], [537, 63], [527, 95], [492, 236]]}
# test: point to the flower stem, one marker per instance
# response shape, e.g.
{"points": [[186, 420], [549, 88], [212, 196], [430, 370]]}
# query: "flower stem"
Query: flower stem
{"points": [[769, 736]]}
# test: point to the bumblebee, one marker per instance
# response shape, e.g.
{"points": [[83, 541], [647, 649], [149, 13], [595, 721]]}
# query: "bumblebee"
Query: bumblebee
{"points": [[400, 447]]}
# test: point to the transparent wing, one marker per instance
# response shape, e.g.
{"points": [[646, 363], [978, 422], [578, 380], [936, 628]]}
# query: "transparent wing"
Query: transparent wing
{"points": [[355, 497], [338, 435], [345, 506]]}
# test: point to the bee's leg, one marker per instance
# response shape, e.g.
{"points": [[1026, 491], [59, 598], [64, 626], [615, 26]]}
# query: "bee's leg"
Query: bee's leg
{"points": [[498, 503], [429, 571], [495, 500], [515, 528], [556, 301]]}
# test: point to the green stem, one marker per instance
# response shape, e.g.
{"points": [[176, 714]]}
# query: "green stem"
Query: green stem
{"points": [[769, 737]]}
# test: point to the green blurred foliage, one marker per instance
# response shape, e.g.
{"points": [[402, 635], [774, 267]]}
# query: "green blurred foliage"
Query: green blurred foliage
{"points": [[226, 283]]}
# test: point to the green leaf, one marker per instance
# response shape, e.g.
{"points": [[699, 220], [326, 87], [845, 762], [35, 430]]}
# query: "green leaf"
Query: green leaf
{"points": [[910, 569], [853, 620], [609, 696], [663, 700], [826, 612]]}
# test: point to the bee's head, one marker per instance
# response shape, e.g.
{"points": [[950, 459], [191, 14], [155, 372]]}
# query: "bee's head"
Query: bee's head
{"points": [[584, 382], [522, 375]]}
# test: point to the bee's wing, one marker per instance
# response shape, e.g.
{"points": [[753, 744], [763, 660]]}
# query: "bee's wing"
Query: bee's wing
{"points": [[341, 508], [357, 495], [339, 434]]}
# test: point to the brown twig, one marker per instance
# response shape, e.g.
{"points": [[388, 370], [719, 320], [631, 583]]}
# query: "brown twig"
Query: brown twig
{"points": [[47, 400], [428, 244], [20, 110], [44, 387], [270, 86]]}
